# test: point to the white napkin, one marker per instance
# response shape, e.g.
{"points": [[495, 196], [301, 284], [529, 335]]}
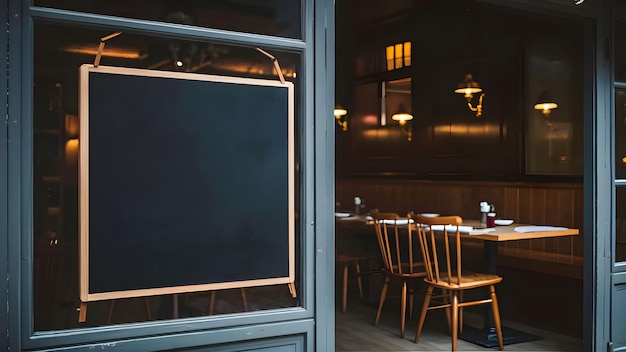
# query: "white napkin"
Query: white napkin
{"points": [[538, 228], [463, 229]]}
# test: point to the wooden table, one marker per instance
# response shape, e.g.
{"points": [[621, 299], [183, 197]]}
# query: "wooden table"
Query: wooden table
{"points": [[486, 336], [508, 233]]}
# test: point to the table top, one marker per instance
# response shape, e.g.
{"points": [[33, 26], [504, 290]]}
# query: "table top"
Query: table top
{"points": [[508, 233], [499, 233]]}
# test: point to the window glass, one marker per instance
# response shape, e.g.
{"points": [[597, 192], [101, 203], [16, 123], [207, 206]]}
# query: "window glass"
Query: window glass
{"points": [[620, 51], [397, 103], [554, 88], [398, 56], [272, 17], [620, 133], [620, 224], [59, 52], [620, 173]]}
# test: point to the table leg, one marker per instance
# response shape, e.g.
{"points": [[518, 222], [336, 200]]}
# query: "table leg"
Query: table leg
{"points": [[486, 337], [490, 253]]}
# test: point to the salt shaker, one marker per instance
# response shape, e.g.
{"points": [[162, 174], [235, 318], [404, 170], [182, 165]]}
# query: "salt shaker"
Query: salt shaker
{"points": [[484, 209], [357, 205]]}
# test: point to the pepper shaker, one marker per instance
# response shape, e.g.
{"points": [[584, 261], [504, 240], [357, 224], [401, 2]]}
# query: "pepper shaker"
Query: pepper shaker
{"points": [[491, 216]]}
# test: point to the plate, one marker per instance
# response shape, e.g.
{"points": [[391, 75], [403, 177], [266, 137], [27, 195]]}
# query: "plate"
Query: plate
{"points": [[342, 215], [503, 222], [397, 222], [430, 215]]}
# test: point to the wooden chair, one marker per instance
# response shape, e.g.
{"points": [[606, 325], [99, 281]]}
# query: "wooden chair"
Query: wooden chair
{"points": [[442, 253], [354, 247], [345, 261], [401, 259]]}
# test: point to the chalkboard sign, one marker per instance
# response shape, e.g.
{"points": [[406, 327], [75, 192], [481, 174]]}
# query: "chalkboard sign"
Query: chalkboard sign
{"points": [[186, 182]]}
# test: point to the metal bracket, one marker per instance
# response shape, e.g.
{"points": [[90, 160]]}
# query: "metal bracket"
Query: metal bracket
{"points": [[276, 65], [96, 61]]}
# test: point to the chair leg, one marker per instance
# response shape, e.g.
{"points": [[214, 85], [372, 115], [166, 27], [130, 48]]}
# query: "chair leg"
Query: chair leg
{"points": [[147, 304], [496, 316], [455, 317], [420, 325], [460, 313], [446, 300], [411, 294], [383, 294], [358, 277], [111, 305], [175, 306], [344, 296], [403, 309], [212, 303], [244, 299]]}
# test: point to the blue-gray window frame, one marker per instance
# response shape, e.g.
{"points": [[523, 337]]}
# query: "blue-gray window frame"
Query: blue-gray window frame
{"points": [[312, 323], [617, 271], [4, 182]]}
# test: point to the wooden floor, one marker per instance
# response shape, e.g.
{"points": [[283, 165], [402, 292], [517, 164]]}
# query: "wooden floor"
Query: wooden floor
{"points": [[355, 331]]}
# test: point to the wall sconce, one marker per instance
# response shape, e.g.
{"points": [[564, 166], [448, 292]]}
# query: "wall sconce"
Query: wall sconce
{"points": [[341, 116], [468, 88], [546, 104], [403, 116], [71, 126]]}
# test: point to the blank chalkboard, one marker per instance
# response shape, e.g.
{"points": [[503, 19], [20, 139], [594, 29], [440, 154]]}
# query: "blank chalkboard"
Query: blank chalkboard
{"points": [[186, 182]]}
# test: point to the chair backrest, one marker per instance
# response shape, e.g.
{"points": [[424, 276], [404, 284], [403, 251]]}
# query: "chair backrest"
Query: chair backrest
{"points": [[440, 241], [399, 249]]}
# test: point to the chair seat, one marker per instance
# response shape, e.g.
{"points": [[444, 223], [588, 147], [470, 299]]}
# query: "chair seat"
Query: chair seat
{"points": [[468, 280]]}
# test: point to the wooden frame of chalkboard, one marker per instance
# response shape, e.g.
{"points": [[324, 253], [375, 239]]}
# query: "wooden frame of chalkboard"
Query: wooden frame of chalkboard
{"points": [[186, 182]]}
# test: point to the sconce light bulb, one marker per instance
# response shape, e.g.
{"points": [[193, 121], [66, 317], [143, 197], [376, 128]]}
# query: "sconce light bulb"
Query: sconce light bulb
{"points": [[340, 112], [341, 117], [179, 63], [546, 107]]}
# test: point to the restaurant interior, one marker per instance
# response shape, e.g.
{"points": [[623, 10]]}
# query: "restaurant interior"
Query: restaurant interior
{"points": [[410, 139], [440, 105]]}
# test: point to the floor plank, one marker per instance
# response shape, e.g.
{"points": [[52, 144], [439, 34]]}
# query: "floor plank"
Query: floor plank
{"points": [[355, 331]]}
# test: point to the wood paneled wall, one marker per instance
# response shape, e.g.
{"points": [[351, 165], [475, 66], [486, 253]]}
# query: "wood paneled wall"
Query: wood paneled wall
{"points": [[531, 203]]}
